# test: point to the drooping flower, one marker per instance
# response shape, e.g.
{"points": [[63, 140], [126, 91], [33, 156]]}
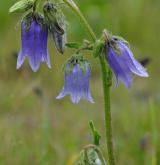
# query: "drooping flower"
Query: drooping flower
{"points": [[34, 35], [122, 62], [55, 21], [76, 83]]}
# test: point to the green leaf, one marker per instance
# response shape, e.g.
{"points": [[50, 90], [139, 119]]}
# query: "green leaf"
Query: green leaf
{"points": [[95, 133], [73, 45], [21, 6]]}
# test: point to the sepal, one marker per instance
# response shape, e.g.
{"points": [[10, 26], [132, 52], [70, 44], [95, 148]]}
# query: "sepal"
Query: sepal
{"points": [[98, 47], [112, 41], [119, 38], [74, 60], [73, 45], [29, 18]]}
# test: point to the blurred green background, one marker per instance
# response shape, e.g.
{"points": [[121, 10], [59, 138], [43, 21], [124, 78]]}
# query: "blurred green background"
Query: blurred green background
{"points": [[37, 129]]}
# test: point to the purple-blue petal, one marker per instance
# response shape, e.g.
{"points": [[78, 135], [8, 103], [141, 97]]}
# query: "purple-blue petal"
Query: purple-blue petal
{"points": [[120, 69], [20, 60], [59, 41], [132, 63]]}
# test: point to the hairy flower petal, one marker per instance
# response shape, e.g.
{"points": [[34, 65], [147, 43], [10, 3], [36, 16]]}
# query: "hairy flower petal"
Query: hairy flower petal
{"points": [[120, 69], [34, 45], [77, 84], [132, 63], [20, 60], [124, 64]]}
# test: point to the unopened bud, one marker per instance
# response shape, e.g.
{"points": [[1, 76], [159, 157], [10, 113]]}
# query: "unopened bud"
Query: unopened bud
{"points": [[90, 155], [51, 15]]}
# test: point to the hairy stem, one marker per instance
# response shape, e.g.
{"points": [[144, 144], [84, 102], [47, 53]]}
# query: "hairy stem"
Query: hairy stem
{"points": [[106, 78]]}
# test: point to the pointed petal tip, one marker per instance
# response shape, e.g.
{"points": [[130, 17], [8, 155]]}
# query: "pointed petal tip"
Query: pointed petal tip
{"points": [[34, 69], [18, 66], [34, 65], [49, 66], [91, 101], [47, 60], [127, 82], [75, 100], [145, 74], [78, 100], [20, 59], [61, 95]]}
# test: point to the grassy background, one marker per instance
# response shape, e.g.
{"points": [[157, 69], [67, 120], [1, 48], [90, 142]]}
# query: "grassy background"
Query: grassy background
{"points": [[37, 129]]}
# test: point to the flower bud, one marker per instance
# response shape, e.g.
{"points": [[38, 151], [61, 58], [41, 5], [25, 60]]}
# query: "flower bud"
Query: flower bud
{"points": [[91, 154], [21, 6], [53, 20]]}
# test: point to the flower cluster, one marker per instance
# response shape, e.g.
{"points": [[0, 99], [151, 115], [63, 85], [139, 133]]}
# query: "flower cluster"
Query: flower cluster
{"points": [[34, 36]]}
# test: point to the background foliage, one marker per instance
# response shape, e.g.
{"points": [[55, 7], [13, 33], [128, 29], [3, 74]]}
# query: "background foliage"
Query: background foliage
{"points": [[35, 128]]}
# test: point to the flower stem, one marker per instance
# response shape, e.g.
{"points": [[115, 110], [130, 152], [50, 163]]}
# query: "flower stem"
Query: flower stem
{"points": [[35, 5], [106, 77], [107, 80]]}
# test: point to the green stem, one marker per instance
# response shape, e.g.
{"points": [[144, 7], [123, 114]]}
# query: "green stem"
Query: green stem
{"points": [[106, 77]]}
